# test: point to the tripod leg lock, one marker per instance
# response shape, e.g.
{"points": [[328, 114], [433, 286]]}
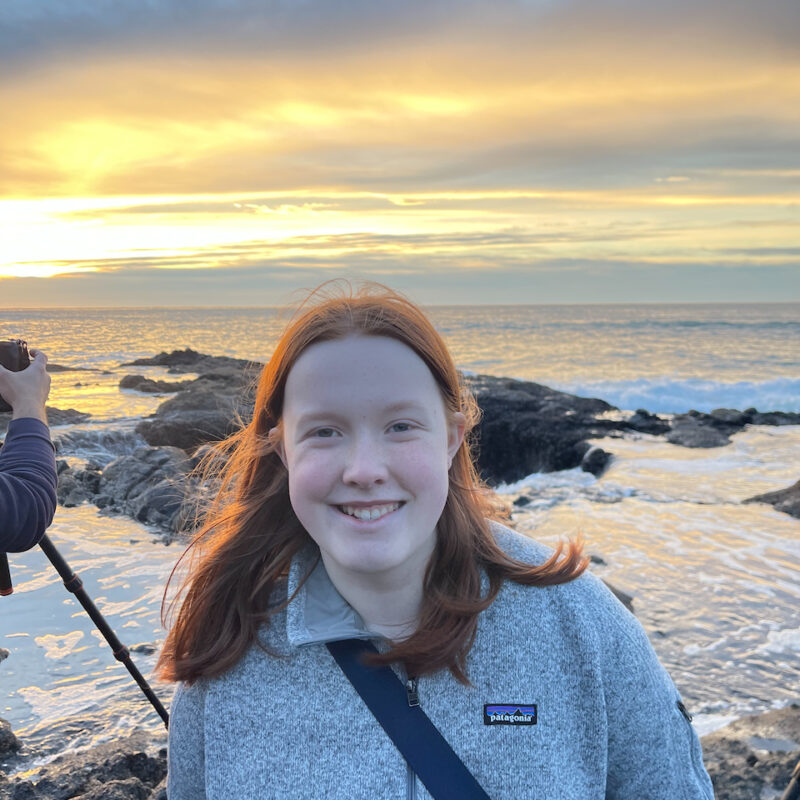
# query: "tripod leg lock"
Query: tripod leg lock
{"points": [[122, 654]]}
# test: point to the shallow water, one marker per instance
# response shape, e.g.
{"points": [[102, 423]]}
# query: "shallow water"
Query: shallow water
{"points": [[716, 583]]}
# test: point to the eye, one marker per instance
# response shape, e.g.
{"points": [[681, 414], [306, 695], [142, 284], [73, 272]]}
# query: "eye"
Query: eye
{"points": [[400, 427], [324, 433]]}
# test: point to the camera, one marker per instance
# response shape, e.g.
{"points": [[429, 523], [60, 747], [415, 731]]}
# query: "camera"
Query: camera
{"points": [[14, 357]]}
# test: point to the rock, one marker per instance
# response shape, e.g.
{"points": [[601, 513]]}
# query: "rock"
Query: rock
{"points": [[595, 460], [182, 361], [754, 756], [624, 598], [141, 384], [76, 486], [66, 416], [146, 648], [526, 427], [209, 409], [55, 416], [786, 500], [187, 430], [4, 654], [118, 770], [8, 741], [51, 367], [148, 485], [696, 430], [772, 417], [645, 422], [730, 416]]}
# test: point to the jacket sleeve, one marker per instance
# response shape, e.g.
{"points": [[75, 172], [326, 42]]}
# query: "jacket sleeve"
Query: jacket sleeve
{"points": [[28, 483], [186, 774], [653, 750]]}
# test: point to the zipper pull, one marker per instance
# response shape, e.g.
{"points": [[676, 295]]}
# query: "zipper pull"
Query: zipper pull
{"points": [[412, 692], [682, 709]]}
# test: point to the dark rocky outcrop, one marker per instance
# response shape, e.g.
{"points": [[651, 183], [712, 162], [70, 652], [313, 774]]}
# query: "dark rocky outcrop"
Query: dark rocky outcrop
{"points": [[9, 743], [208, 408], [754, 756], [55, 416], [194, 417], [526, 427], [76, 486], [122, 770], [696, 429], [786, 500], [51, 367], [188, 360], [141, 384], [148, 485]]}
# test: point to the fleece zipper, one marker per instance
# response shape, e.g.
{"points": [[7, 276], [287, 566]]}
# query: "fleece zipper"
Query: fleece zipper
{"points": [[412, 693]]}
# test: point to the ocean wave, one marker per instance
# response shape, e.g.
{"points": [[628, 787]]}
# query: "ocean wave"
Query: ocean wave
{"points": [[667, 395]]}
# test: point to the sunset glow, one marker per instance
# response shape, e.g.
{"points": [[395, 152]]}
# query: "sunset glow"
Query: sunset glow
{"points": [[520, 138]]}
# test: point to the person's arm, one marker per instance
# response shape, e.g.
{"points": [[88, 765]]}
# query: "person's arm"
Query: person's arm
{"points": [[28, 483], [653, 750], [27, 462], [186, 774]]}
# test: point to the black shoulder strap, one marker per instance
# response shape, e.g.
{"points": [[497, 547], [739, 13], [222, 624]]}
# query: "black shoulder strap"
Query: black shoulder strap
{"points": [[414, 735]]}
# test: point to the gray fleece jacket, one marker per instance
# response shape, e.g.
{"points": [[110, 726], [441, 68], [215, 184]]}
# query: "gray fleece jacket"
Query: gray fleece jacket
{"points": [[607, 721]]}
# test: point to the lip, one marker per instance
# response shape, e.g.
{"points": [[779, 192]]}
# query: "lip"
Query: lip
{"points": [[367, 503]]}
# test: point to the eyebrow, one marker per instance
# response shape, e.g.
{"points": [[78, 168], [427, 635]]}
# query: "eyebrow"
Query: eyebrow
{"points": [[392, 408]]}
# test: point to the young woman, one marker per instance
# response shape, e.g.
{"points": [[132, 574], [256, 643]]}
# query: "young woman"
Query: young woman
{"points": [[350, 509]]}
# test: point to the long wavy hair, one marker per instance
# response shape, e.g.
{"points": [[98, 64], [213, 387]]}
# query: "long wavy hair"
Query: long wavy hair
{"points": [[249, 533]]}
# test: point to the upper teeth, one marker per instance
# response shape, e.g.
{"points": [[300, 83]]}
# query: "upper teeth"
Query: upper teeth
{"points": [[369, 513]]}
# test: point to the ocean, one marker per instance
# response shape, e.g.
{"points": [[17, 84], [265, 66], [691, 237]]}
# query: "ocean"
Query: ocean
{"points": [[716, 584]]}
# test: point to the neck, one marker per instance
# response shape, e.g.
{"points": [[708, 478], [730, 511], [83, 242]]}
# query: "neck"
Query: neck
{"points": [[389, 605]]}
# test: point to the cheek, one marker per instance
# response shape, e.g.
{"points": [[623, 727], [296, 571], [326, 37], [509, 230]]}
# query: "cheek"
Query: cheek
{"points": [[309, 479], [427, 470]]}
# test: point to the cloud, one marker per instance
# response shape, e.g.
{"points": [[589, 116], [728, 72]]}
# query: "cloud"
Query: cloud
{"points": [[579, 281], [488, 134]]}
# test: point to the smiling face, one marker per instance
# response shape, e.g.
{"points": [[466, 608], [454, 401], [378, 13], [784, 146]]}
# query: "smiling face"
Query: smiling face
{"points": [[367, 442]]}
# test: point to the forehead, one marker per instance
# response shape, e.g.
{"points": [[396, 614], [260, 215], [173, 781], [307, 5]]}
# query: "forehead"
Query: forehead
{"points": [[356, 372]]}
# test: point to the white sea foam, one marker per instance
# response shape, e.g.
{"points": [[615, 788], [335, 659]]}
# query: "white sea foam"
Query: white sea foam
{"points": [[665, 395], [782, 641]]}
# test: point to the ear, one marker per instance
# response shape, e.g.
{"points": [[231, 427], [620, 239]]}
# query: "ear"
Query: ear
{"points": [[456, 426], [276, 436]]}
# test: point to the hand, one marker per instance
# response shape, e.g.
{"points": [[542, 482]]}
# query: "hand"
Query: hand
{"points": [[26, 391]]}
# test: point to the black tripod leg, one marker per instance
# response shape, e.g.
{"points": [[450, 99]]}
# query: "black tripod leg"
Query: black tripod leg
{"points": [[75, 585], [5, 576]]}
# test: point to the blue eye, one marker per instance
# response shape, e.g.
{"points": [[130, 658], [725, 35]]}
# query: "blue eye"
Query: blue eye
{"points": [[325, 433], [403, 427]]}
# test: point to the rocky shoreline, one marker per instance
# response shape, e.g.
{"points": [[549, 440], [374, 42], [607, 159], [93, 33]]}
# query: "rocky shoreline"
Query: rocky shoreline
{"points": [[525, 428], [750, 759]]}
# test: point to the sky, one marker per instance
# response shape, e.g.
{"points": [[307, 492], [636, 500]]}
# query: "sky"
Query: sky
{"points": [[231, 152]]}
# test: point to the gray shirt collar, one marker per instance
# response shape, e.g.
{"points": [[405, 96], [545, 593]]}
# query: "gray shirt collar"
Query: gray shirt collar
{"points": [[318, 613]]}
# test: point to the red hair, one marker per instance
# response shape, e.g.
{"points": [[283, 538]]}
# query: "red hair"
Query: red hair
{"points": [[250, 533]]}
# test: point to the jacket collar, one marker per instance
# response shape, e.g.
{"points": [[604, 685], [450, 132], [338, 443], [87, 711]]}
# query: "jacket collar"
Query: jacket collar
{"points": [[318, 613]]}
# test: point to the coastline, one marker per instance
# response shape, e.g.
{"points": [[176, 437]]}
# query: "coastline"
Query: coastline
{"points": [[570, 445]]}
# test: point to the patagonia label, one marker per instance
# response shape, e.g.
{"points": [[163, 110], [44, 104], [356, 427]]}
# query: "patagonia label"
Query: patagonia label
{"points": [[509, 714]]}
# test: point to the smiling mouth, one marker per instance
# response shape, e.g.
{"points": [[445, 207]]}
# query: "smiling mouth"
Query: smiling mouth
{"points": [[369, 513]]}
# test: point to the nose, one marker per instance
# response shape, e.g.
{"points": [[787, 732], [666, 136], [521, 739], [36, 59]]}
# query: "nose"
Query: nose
{"points": [[365, 463]]}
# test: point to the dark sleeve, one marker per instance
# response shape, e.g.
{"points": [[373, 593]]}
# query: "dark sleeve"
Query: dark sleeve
{"points": [[27, 484]]}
